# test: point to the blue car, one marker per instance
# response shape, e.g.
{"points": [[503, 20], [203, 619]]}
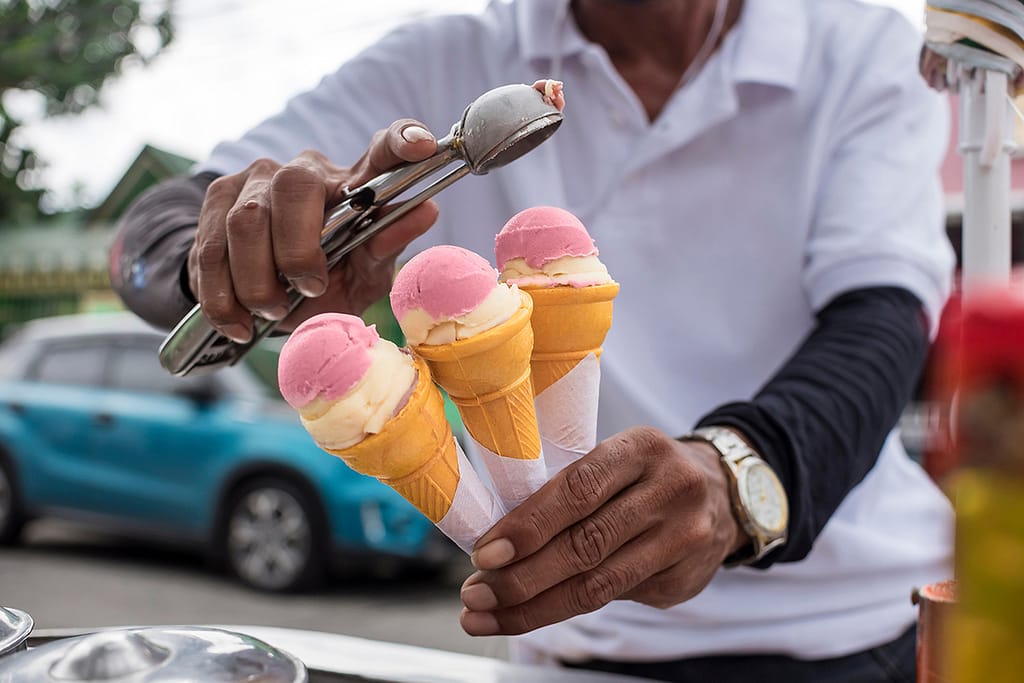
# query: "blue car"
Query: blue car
{"points": [[92, 428]]}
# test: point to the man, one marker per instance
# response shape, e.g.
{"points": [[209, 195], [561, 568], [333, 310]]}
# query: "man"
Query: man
{"points": [[761, 178]]}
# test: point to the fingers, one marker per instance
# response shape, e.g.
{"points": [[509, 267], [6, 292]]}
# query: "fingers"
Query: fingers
{"points": [[679, 582], [574, 494], [253, 225], [402, 141], [209, 259], [267, 220], [389, 243], [582, 593], [583, 547], [642, 517], [251, 254], [298, 196]]}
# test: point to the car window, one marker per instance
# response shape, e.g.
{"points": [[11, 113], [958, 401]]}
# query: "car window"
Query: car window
{"points": [[15, 357], [74, 365], [136, 368]]}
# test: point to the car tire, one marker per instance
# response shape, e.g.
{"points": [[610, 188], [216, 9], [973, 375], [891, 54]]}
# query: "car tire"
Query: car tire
{"points": [[12, 518], [273, 536]]}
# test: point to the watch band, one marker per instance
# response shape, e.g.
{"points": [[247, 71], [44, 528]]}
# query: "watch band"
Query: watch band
{"points": [[733, 451]]}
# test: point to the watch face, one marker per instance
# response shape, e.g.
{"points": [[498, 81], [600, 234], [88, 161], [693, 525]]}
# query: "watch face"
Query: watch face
{"points": [[762, 495]]}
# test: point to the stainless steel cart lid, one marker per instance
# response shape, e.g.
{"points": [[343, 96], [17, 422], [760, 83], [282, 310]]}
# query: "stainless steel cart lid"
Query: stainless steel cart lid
{"points": [[15, 626], [154, 655]]}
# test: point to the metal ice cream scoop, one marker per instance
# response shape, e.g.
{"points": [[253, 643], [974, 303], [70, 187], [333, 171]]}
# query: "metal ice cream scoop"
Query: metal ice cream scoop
{"points": [[498, 127]]}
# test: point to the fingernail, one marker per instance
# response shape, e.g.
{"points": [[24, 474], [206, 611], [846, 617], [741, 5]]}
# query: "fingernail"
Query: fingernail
{"points": [[478, 597], [238, 333], [416, 134], [493, 555], [479, 623], [310, 285], [276, 313]]}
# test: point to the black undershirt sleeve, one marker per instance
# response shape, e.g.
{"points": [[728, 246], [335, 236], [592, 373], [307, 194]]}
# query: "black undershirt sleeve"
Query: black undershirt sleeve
{"points": [[820, 422], [151, 248]]}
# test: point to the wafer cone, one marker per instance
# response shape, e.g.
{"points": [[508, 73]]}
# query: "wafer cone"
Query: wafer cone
{"points": [[488, 378], [415, 453], [568, 324]]}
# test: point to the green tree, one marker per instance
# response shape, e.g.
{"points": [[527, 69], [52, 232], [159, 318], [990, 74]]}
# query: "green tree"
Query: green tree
{"points": [[62, 52]]}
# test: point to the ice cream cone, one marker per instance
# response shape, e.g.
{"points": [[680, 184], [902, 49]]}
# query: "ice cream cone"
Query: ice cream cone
{"points": [[568, 324], [487, 376], [415, 453]]}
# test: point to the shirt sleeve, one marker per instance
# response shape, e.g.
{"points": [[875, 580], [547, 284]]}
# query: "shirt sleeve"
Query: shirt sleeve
{"points": [[821, 420], [393, 78], [150, 250], [878, 218], [399, 76]]}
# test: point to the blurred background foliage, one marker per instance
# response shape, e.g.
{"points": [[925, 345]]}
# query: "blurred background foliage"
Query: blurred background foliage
{"points": [[55, 58]]}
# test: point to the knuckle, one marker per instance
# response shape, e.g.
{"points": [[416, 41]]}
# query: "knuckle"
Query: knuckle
{"points": [[222, 190], [665, 592], [583, 484], [650, 441], [702, 533], [314, 155], [657, 591], [247, 218], [211, 253], [262, 166], [589, 543], [691, 481], [657, 588], [296, 179], [598, 588]]}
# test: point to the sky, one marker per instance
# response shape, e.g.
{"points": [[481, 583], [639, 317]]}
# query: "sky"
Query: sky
{"points": [[232, 63]]}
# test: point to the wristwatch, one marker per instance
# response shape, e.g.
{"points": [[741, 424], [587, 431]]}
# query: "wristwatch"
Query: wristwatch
{"points": [[758, 499]]}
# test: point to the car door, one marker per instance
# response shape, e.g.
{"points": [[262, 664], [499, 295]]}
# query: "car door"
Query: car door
{"points": [[57, 404], [160, 434]]}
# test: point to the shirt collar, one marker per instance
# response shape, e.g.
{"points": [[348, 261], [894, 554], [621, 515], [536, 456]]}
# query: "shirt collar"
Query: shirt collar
{"points": [[546, 29], [772, 36]]}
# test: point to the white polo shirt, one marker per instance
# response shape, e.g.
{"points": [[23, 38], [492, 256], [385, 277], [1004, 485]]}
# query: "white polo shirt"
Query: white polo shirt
{"points": [[801, 162]]}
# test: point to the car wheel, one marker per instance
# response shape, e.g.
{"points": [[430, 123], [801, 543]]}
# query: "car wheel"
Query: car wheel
{"points": [[273, 537], [11, 517]]}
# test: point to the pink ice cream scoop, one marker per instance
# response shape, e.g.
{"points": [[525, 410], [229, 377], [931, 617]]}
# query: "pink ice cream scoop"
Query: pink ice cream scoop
{"points": [[324, 358], [444, 281], [546, 246], [447, 293]]}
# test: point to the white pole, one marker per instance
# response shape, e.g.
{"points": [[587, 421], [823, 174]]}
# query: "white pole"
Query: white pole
{"points": [[986, 139]]}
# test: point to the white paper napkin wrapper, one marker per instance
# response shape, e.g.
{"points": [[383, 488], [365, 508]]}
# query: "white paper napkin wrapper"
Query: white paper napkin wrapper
{"points": [[474, 508], [512, 479], [567, 415]]}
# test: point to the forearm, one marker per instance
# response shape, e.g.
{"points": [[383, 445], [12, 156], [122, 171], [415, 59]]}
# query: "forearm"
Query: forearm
{"points": [[822, 419], [151, 249]]}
